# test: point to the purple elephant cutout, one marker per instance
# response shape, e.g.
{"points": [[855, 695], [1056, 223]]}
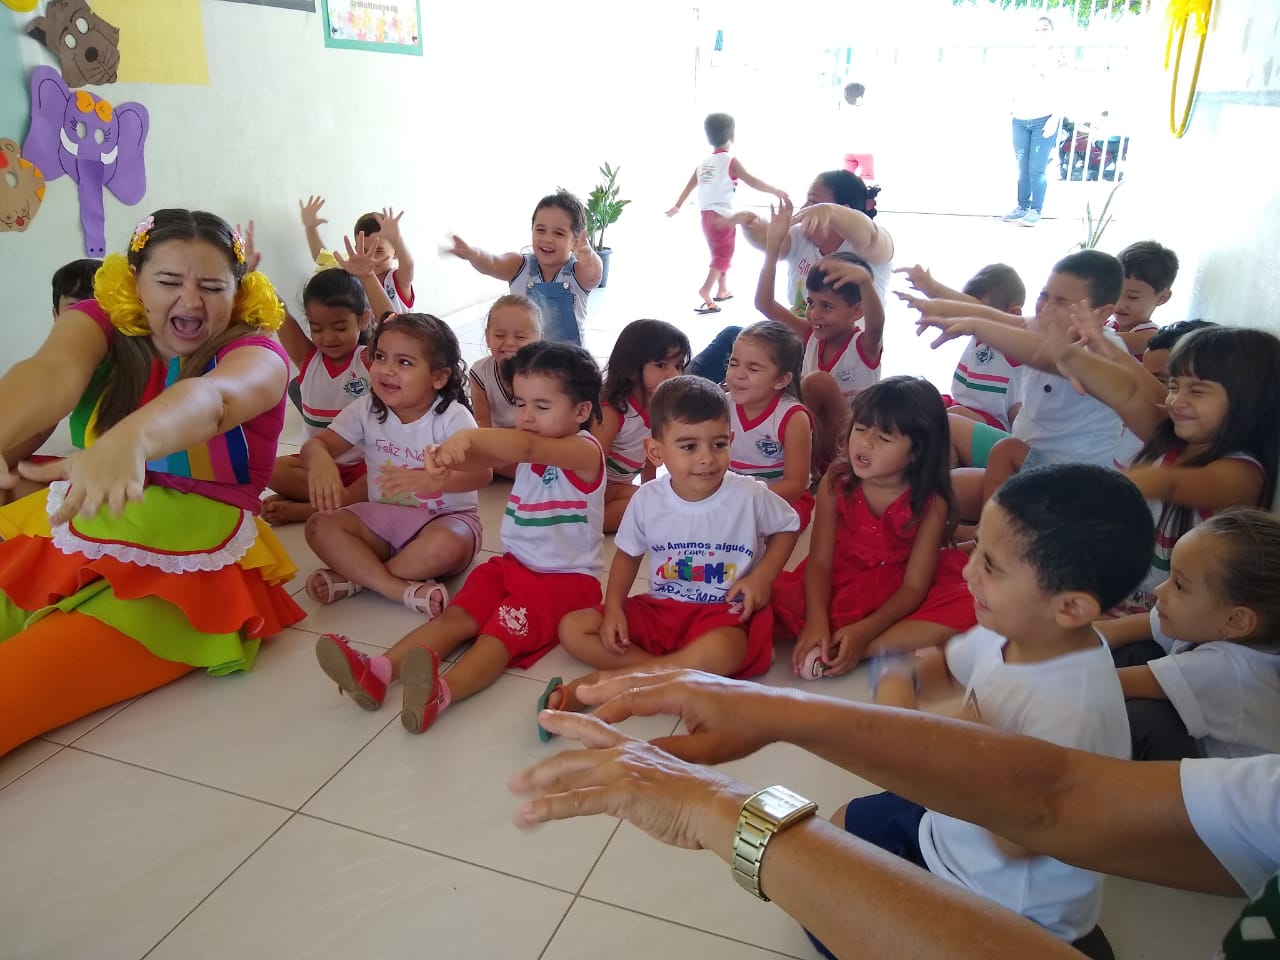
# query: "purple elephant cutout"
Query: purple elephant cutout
{"points": [[97, 145]]}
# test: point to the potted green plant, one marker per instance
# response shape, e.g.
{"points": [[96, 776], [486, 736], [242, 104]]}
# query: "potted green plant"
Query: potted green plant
{"points": [[603, 209]]}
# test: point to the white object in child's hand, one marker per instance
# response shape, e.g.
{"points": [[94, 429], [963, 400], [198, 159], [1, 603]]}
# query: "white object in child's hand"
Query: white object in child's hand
{"points": [[814, 668]]}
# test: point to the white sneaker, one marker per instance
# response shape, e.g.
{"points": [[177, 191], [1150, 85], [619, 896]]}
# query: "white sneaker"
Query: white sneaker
{"points": [[1031, 218], [1017, 213]]}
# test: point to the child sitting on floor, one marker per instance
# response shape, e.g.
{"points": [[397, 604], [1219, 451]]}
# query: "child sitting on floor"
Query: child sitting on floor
{"points": [[1057, 546], [1201, 672], [1149, 272], [647, 353], [558, 275], [772, 429], [840, 358], [511, 322], [880, 574], [415, 526], [715, 542], [551, 537]]}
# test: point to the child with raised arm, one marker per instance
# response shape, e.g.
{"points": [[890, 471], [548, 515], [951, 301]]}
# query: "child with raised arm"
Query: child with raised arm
{"points": [[560, 272], [1149, 272], [1210, 441], [1056, 547], [511, 322], [1201, 672], [551, 538], [840, 358], [715, 542], [392, 264], [716, 179], [880, 574]]}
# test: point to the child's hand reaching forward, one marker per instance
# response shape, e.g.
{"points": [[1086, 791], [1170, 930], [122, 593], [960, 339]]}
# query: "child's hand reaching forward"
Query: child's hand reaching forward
{"points": [[779, 226], [252, 256], [389, 224], [309, 210], [359, 261], [919, 277], [582, 247], [453, 452]]}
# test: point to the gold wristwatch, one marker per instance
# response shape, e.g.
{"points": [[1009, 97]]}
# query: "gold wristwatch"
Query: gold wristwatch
{"points": [[763, 815]]}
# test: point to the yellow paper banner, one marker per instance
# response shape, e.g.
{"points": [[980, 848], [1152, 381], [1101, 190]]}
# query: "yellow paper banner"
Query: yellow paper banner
{"points": [[160, 42]]}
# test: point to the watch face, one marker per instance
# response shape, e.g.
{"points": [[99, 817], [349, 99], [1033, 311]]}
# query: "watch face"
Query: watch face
{"points": [[778, 803]]}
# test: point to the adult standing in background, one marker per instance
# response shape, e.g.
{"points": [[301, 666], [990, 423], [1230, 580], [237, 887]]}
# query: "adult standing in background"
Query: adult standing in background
{"points": [[1035, 122]]}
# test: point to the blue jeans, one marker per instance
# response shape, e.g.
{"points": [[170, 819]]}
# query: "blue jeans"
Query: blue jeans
{"points": [[1031, 150], [713, 362]]}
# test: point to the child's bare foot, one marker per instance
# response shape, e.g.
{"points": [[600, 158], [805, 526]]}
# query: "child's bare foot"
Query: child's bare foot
{"points": [[278, 511]]}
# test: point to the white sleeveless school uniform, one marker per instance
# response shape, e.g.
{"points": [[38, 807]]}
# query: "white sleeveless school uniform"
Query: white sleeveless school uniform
{"points": [[502, 403], [327, 387], [554, 521], [716, 183], [851, 369], [626, 457], [756, 450]]}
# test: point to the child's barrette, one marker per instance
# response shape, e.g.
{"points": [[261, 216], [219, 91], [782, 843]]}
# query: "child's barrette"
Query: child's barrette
{"points": [[237, 245], [141, 233]]}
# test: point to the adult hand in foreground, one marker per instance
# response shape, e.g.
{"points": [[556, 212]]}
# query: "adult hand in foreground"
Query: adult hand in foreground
{"points": [[679, 803], [724, 719]]}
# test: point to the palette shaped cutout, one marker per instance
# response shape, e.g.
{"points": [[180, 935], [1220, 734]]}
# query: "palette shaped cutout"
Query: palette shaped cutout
{"points": [[96, 144], [87, 47], [21, 188]]}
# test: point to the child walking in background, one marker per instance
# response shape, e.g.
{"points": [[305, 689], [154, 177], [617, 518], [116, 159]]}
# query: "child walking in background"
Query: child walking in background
{"points": [[333, 371], [558, 275], [715, 542], [879, 575], [772, 429], [416, 526], [1212, 444], [551, 538], [839, 358], [1149, 272], [716, 179], [511, 322], [646, 353], [1201, 672], [1057, 546], [391, 261]]}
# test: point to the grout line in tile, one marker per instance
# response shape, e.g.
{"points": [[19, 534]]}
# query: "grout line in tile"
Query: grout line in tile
{"points": [[391, 719], [554, 933], [219, 884], [435, 853], [60, 746], [687, 926]]}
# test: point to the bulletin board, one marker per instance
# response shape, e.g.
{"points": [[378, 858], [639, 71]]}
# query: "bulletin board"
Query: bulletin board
{"points": [[384, 26]]}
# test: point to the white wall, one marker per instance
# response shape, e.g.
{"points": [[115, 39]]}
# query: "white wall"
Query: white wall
{"points": [[509, 100]]}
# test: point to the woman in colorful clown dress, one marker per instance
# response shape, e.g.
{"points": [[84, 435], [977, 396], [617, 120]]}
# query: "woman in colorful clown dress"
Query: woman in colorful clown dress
{"points": [[145, 558]]}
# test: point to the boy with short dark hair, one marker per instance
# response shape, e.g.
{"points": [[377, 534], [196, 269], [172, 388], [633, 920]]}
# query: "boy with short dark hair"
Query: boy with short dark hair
{"points": [[1149, 272], [73, 282], [384, 245], [716, 541], [1057, 547], [716, 179]]}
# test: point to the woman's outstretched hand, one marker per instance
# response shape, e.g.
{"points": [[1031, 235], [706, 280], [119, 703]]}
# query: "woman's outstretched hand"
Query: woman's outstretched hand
{"points": [[724, 719], [679, 803], [110, 473]]}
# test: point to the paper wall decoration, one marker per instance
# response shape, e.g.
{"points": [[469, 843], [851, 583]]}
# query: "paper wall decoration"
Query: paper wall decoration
{"points": [[96, 144], [161, 41], [387, 26], [85, 45], [21, 188]]}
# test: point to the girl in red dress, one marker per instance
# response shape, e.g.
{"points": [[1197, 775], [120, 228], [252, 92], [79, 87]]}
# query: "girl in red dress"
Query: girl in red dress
{"points": [[879, 575]]}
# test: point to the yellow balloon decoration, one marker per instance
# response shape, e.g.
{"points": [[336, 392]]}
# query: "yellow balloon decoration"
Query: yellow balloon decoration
{"points": [[1181, 14], [22, 6]]}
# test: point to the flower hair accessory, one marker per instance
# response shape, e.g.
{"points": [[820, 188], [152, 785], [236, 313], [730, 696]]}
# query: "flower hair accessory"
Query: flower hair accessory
{"points": [[237, 246], [142, 233]]}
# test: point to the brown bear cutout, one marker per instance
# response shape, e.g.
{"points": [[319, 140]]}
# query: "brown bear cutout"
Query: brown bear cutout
{"points": [[21, 188], [87, 47]]}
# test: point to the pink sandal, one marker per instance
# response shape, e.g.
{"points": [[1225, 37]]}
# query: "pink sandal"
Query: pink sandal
{"points": [[339, 587], [422, 605]]}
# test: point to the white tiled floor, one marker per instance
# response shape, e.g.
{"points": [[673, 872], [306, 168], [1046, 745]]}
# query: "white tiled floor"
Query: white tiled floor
{"points": [[266, 816]]}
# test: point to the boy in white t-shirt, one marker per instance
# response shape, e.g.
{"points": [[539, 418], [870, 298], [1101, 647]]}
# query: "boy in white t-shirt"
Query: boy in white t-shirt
{"points": [[716, 179], [1057, 546], [715, 541]]}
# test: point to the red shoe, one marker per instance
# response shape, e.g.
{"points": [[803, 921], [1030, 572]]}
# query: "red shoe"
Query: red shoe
{"points": [[420, 676], [349, 669]]}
